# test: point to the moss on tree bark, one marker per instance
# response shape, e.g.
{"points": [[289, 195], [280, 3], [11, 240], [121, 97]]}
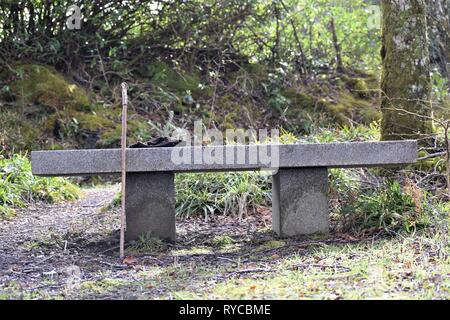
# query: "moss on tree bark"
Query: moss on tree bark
{"points": [[405, 82]]}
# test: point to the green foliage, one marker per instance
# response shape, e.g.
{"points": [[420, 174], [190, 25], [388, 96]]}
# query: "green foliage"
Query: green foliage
{"points": [[390, 208], [305, 24], [387, 206], [273, 89], [189, 73], [440, 86], [18, 186], [114, 204], [441, 95], [221, 193], [191, 49], [166, 76], [344, 134], [263, 29]]}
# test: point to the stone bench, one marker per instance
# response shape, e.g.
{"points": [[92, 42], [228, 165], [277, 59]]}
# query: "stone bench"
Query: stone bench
{"points": [[300, 186]]}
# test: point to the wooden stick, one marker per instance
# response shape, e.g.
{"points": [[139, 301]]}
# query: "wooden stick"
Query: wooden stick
{"points": [[447, 155], [123, 216]]}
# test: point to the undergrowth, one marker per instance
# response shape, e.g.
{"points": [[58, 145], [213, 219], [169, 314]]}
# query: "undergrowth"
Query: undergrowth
{"points": [[221, 193], [361, 205], [18, 186]]}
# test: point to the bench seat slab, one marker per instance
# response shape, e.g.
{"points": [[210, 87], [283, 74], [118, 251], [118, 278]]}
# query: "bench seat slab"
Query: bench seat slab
{"points": [[330, 155], [150, 205], [300, 202]]}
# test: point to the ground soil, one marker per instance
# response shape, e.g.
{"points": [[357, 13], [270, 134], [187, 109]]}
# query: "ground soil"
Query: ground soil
{"points": [[70, 251]]}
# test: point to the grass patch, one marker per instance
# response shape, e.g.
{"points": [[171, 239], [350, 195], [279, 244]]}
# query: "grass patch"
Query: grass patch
{"points": [[222, 241], [270, 245], [193, 251], [101, 286], [387, 269], [221, 193], [404, 267], [345, 133], [146, 244]]}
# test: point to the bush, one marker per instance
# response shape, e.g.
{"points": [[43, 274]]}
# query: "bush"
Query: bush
{"points": [[387, 206], [18, 186]]}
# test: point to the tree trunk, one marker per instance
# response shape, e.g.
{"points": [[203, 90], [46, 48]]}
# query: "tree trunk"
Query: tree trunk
{"points": [[439, 33], [405, 82], [337, 47], [31, 23], [276, 47]]}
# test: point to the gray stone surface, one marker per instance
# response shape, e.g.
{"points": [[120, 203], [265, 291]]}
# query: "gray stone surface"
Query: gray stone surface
{"points": [[300, 201], [150, 205], [332, 155]]}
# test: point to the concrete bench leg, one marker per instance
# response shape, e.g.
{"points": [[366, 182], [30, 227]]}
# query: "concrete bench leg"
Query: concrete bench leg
{"points": [[150, 205], [300, 201]]}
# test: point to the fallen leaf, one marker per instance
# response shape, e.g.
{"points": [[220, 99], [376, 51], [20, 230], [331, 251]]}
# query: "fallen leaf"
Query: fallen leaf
{"points": [[129, 261], [347, 237]]}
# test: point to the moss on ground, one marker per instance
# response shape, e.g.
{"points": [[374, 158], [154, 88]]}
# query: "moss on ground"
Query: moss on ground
{"points": [[42, 85], [163, 75], [103, 286], [222, 241], [350, 102], [346, 109], [45, 110]]}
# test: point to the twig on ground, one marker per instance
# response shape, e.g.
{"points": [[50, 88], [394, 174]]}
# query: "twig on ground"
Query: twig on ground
{"points": [[112, 265], [433, 155], [256, 270], [322, 266]]}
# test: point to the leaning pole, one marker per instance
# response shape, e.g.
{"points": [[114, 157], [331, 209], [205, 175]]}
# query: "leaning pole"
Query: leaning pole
{"points": [[124, 86]]}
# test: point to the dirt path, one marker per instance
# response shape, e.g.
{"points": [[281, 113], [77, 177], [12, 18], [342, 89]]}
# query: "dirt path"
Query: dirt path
{"points": [[45, 242], [49, 251]]}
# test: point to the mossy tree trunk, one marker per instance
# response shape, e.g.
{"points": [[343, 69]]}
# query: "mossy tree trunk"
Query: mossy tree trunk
{"points": [[405, 82]]}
